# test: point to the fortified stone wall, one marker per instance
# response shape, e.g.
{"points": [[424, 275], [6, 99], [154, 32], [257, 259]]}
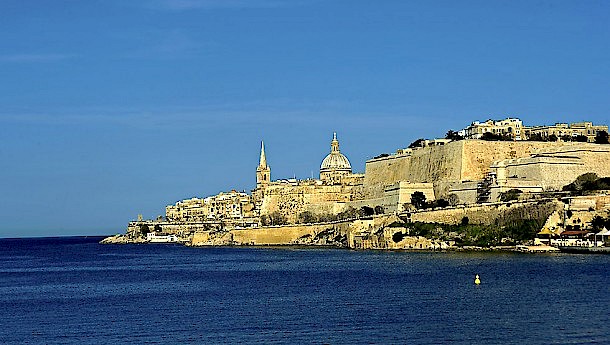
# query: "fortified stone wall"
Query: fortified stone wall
{"points": [[385, 171], [292, 200], [556, 167], [281, 235], [479, 214], [449, 165]]}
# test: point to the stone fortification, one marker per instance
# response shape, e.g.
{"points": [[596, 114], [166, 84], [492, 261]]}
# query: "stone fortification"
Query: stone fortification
{"points": [[291, 199], [311, 234], [554, 167], [424, 165], [484, 214], [458, 165], [479, 155]]}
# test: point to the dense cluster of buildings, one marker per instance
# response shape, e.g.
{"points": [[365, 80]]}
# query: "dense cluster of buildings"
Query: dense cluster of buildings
{"points": [[463, 172]]}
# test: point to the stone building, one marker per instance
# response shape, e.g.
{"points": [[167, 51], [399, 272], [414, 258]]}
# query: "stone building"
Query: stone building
{"points": [[329, 195], [232, 206], [335, 165], [561, 130], [549, 169], [464, 171], [263, 173], [510, 127]]}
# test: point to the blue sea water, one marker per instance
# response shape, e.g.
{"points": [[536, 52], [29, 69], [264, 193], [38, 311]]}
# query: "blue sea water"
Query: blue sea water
{"points": [[74, 291]]}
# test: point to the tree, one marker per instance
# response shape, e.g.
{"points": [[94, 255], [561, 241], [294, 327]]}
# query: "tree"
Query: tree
{"points": [[265, 221], [379, 209], [307, 217], [398, 236], [583, 182], [276, 218], [536, 137], [453, 199], [581, 138], [489, 136], [597, 222], [465, 221], [453, 135], [144, 229], [440, 203], [349, 213], [416, 143], [601, 137], [418, 199], [510, 195], [553, 137], [383, 155], [366, 211]]}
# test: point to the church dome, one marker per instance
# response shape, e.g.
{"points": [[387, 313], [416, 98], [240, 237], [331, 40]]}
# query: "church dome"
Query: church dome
{"points": [[335, 160]]}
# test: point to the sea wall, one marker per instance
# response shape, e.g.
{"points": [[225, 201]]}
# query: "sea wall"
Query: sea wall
{"points": [[276, 235], [272, 235]]}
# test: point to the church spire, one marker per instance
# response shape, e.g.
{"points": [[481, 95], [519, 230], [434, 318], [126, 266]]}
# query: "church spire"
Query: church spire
{"points": [[334, 145], [263, 173], [263, 160]]}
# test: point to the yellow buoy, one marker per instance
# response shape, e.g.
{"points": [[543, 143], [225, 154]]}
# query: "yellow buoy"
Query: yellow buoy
{"points": [[477, 280]]}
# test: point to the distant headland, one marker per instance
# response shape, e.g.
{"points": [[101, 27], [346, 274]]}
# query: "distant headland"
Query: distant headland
{"points": [[493, 184]]}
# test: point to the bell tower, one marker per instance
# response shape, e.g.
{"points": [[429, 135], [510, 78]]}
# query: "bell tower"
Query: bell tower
{"points": [[263, 173]]}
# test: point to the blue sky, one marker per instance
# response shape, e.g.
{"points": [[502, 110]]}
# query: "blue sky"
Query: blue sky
{"points": [[110, 108]]}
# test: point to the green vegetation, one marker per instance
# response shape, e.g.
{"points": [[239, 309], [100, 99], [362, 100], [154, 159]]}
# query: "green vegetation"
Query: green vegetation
{"points": [[510, 195], [144, 229], [599, 222], [480, 235], [516, 225], [453, 135], [601, 137], [495, 137], [587, 182], [540, 137], [418, 200], [308, 217], [416, 143], [275, 218], [383, 155]]}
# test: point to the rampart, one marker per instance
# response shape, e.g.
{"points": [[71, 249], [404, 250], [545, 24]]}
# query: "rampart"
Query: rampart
{"points": [[450, 165], [273, 235], [483, 214]]}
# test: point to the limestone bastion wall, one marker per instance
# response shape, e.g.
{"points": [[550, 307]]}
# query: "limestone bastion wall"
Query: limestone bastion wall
{"points": [[291, 201], [457, 162], [429, 164], [479, 155], [483, 214], [556, 167], [288, 234]]}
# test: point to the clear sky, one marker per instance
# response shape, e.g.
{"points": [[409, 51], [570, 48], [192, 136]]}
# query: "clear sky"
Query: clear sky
{"points": [[111, 108]]}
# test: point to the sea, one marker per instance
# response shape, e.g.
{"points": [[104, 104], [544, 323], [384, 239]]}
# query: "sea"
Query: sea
{"points": [[72, 290]]}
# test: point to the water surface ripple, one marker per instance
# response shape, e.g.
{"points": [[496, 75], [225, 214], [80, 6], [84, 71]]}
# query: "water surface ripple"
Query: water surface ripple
{"points": [[73, 291]]}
